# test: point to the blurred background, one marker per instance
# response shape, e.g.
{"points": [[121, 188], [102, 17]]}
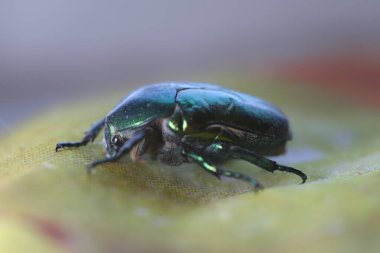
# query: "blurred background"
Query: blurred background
{"points": [[55, 51]]}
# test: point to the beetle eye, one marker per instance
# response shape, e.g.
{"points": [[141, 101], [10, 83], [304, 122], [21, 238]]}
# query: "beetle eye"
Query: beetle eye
{"points": [[117, 141]]}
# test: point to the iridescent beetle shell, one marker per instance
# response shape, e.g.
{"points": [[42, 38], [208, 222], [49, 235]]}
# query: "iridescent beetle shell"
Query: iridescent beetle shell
{"points": [[195, 122]]}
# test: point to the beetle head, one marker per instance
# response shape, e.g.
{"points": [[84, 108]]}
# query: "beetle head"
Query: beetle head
{"points": [[114, 139], [135, 112]]}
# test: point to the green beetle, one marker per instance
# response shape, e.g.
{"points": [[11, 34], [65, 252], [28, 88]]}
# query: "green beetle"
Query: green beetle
{"points": [[194, 122]]}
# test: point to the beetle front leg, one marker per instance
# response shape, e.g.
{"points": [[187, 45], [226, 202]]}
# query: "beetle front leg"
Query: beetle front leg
{"points": [[90, 136], [214, 170], [125, 149], [262, 162]]}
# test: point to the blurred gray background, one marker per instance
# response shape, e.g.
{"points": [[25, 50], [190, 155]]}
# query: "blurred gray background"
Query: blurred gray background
{"points": [[53, 50]]}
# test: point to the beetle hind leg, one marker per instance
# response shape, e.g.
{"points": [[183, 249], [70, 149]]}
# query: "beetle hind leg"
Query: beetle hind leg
{"points": [[90, 136], [214, 170], [262, 162]]}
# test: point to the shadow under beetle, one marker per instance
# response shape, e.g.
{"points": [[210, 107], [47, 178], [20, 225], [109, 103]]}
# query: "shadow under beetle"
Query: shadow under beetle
{"points": [[194, 122]]}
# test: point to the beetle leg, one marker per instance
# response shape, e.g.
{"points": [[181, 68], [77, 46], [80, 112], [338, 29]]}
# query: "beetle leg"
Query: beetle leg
{"points": [[204, 164], [220, 172], [127, 146], [262, 162], [223, 132], [90, 136], [241, 176]]}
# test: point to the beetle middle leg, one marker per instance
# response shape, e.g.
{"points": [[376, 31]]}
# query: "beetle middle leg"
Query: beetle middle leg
{"points": [[262, 162], [214, 170], [90, 136]]}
